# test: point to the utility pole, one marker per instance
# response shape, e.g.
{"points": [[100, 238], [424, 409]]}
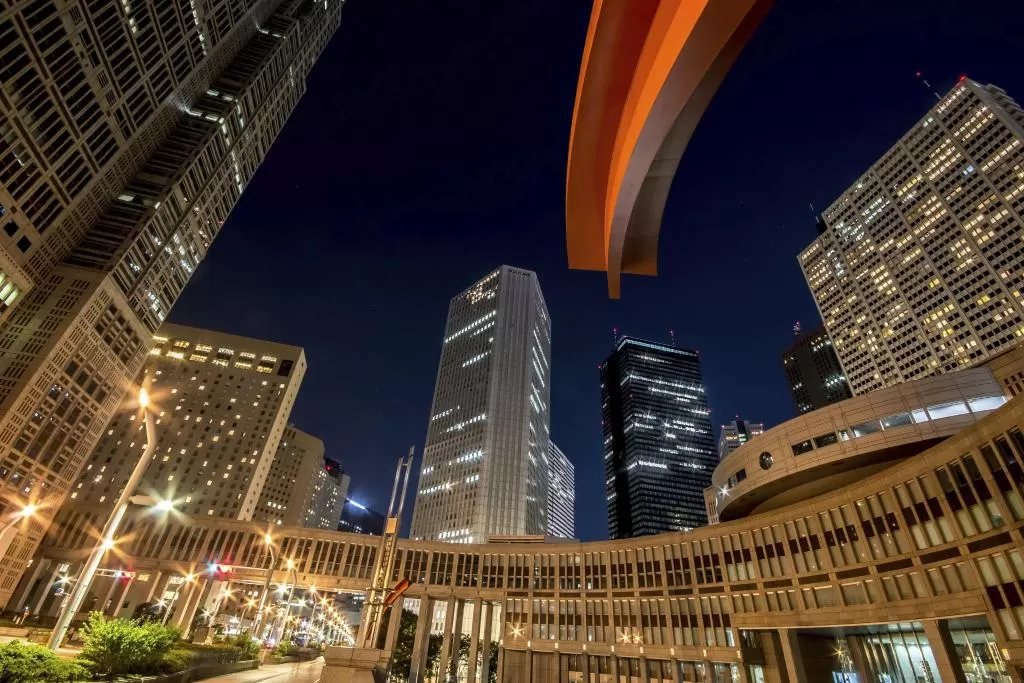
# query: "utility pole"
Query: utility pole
{"points": [[370, 628]]}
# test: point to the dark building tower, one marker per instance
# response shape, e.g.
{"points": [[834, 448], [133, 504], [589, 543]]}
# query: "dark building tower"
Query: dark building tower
{"points": [[815, 376], [659, 451]]}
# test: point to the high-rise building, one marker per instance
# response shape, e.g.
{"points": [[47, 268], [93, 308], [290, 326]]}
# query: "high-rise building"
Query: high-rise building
{"points": [[359, 519], [485, 464], [815, 377], [736, 433], [659, 451], [920, 270], [127, 133], [561, 493], [302, 488], [222, 404]]}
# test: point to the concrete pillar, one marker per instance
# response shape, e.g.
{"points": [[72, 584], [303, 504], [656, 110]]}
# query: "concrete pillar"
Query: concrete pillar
{"points": [[394, 626], [421, 640], [860, 665], [614, 667], [121, 595], [790, 647], [676, 676], [585, 666], [501, 664], [107, 605], [645, 671], [944, 651], [474, 643], [485, 665], [529, 666], [444, 661], [19, 601], [188, 616], [44, 590], [157, 578]]}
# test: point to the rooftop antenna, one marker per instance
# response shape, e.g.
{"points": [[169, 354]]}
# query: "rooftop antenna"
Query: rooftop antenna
{"points": [[920, 77], [796, 329], [615, 336], [672, 336]]}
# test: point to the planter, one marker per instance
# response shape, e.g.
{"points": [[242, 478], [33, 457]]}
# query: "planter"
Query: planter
{"points": [[196, 673]]}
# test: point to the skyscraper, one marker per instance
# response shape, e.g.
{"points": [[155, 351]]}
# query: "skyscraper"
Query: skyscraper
{"points": [[485, 463], [223, 403], [302, 487], [813, 372], [127, 133], [561, 493], [920, 270], [659, 451], [736, 433], [358, 519]]}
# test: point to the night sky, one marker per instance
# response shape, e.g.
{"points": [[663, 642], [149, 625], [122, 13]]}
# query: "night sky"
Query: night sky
{"points": [[431, 147]]}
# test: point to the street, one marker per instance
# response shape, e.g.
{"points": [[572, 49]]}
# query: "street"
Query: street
{"points": [[305, 672]]}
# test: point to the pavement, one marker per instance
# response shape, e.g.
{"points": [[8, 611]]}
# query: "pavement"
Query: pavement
{"points": [[294, 672]]}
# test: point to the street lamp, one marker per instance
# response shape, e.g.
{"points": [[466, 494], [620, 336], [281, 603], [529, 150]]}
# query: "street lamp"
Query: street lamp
{"points": [[291, 590], [110, 528], [8, 530]]}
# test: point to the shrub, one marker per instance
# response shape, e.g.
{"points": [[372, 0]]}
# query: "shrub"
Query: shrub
{"points": [[23, 663], [247, 646], [123, 646], [285, 648], [175, 660]]}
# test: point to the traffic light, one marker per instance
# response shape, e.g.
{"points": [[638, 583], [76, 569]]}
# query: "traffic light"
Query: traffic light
{"points": [[219, 572]]}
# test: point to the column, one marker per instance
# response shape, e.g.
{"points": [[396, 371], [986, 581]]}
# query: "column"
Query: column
{"points": [[45, 590], [485, 667], [501, 664], [474, 642], [585, 666], [790, 647], [860, 665], [420, 640], [614, 667], [394, 625], [645, 671], [943, 650], [121, 595], [156, 582], [444, 660], [110, 596], [19, 600], [190, 615], [676, 677]]}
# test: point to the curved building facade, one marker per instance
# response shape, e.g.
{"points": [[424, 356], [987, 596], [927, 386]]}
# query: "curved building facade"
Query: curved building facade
{"points": [[649, 71], [912, 572]]}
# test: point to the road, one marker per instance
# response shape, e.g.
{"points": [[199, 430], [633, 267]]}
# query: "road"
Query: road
{"points": [[306, 672]]}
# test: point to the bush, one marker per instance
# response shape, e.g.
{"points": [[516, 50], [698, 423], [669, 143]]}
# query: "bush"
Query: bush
{"points": [[21, 663], [175, 660], [125, 646], [285, 648], [247, 646]]}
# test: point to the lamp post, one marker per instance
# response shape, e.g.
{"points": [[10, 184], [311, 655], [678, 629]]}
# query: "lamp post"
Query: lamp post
{"points": [[189, 578], [291, 590], [260, 613], [110, 528]]}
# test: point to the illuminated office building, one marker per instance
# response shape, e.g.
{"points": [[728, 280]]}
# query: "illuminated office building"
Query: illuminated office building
{"points": [[222, 404], [919, 269], [658, 447], [303, 488], [736, 433], [127, 133], [356, 518], [485, 464], [813, 372], [561, 493]]}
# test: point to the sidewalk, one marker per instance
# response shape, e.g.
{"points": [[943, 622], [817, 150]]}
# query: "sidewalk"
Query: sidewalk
{"points": [[292, 672]]}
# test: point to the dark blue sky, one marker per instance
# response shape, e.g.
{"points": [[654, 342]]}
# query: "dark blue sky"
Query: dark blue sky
{"points": [[430, 147]]}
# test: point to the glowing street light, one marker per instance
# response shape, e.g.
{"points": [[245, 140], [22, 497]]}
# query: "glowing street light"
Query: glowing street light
{"points": [[110, 528]]}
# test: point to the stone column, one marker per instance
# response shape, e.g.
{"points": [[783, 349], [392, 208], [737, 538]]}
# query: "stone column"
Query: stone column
{"points": [[614, 667], [790, 647], [474, 642], [676, 677], [394, 626], [444, 661], [190, 615], [485, 667], [585, 666], [421, 640], [861, 666], [645, 671], [156, 582], [18, 601], [181, 605], [944, 652], [110, 595], [501, 664], [121, 595], [45, 590]]}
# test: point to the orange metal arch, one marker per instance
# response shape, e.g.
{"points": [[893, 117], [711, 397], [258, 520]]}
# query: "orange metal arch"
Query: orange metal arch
{"points": [[649, 70]]}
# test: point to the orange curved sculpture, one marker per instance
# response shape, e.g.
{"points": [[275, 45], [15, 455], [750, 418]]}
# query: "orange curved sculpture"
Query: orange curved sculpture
{"points": [[650, 68]]}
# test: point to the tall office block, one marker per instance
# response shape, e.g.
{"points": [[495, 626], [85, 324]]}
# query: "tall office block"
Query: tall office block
{"points": [[813, 372], [223, 403], [561, 494], [659, 451], [302, 487], [736, 433], [485, 464], [127, 133], [920, 268], [356, 518]]}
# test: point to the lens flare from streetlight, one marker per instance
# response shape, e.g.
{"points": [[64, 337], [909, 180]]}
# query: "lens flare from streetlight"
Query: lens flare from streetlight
{"points": [[107, 544], [28, 510], [164, 505], [143, 398]]}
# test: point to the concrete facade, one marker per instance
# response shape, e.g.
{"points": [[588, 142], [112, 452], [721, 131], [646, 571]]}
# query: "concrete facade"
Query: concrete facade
{"points": [[915, 565]]}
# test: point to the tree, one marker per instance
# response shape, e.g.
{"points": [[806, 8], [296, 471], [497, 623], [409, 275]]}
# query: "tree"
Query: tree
{"points": [[122, 646], [401, 656], [26, 663], [493, 677]]}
